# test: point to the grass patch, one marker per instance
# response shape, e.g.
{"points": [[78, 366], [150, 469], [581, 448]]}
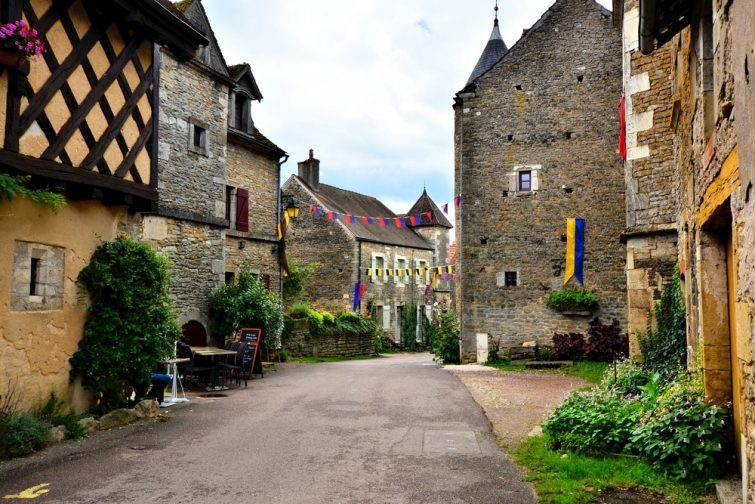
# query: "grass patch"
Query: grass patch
{"points": [[315, 360], [589, 371], [505, 365], [572, 478]]}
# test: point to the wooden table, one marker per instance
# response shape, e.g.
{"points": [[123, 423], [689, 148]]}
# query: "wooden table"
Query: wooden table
{"points": [[174, 399], [213, 352]]}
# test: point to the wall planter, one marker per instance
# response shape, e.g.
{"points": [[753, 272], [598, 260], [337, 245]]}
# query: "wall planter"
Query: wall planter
{"points": [[578, 302], [10, 58]]}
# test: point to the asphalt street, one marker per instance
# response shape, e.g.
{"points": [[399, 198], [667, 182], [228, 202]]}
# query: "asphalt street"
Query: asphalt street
{"points": [[397, 429]]}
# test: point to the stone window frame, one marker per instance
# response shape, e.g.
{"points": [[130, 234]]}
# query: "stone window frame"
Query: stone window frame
{"points": [[35, 262], [375, 278], [203, 147], [404, 278], [507, 282], [422, 278], [535, 179]]}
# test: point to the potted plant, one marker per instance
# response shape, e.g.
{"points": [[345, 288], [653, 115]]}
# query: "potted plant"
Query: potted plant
{"points": [[19, 42], [573, 300]]}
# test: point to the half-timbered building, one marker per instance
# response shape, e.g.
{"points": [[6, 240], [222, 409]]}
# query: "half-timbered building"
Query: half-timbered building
{"points": [[81, 120]]}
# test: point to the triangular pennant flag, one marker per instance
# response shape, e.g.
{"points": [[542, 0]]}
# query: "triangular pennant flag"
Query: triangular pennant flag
{"points": [[445, 208]]}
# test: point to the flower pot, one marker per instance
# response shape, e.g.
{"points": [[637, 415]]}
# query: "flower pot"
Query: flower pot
{"points": [[9, 58]]}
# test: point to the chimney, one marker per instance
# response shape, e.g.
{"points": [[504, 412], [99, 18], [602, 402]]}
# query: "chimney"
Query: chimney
{"points": [[309, 171]]}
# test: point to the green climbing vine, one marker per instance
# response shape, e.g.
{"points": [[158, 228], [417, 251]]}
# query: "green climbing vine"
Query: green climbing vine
{"points": [[12, 186]]}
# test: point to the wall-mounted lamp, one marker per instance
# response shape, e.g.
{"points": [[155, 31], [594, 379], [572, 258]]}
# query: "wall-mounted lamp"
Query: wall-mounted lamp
{"points": [[290, 206]]}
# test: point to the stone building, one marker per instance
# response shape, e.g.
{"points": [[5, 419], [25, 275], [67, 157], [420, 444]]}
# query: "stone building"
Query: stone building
{"points": [[81, 120], [706, 48], [375, 255], [536, 129], [252, 187]]}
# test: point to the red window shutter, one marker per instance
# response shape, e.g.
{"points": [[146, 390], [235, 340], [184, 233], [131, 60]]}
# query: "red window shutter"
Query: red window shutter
{"points": [[242, 209], [266, 280]]}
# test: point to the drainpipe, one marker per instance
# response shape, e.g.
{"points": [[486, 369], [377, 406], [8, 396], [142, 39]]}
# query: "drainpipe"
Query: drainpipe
{"points": [[278, 215], [648, 19]]}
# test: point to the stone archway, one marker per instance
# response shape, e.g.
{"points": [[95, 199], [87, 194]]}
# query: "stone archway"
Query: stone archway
{"points": [[194, 333]]}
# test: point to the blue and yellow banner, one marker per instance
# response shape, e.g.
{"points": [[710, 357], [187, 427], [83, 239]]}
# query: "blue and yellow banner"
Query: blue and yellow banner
{"points": [[575, 250]]}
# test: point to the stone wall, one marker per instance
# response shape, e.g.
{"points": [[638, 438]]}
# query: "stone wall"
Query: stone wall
{"points": [[438, 237], [260, 256], [300, 344], [550, 106]]}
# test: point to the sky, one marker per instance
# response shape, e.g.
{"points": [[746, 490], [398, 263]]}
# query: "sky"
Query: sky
{"points": [[367, 84]]}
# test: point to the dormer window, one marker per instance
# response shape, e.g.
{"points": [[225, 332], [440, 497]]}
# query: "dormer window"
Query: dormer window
{"points": [[242, 109]]}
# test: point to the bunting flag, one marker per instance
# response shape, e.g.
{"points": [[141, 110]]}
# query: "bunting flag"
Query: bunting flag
{"points": [[575, 249], [350, 219], [282, 228], [429, 216], [369, 272], [383, 221], [358, 293], [333, 216], [409, 272], [399, 222], [413, 220], [388, 273], [457, 201], [368, 220], [622, 129], [317, 211], [445, 208], [438, 272]]}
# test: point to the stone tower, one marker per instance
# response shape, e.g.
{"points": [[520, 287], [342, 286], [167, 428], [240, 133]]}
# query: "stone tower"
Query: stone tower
{"points": [[536, 129]]}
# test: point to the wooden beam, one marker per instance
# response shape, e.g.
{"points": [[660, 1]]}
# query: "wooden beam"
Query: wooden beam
{"points": [[129, 160], [72, 124], [114, 128], [56, 171]]}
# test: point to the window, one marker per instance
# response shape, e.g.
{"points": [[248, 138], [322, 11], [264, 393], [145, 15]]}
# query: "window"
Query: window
{"points": [[230, 206], [400, 266], [525, 181], [378, 267], [37, 278], [511, 278], [242, 113], [198, 139], [229, 277]]}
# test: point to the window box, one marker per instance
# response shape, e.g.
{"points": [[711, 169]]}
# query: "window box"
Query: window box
{"points": [[574, 301]]}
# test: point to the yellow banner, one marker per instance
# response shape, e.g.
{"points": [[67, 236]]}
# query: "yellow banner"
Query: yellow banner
{"points": [[571, 228]]}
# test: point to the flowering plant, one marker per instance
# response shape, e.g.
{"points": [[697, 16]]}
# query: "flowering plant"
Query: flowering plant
{"points": [[20, 37]]}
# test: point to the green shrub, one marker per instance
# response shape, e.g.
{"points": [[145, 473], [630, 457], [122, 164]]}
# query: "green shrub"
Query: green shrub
{"points": [[445, 337], [379, 346], [24, 433], [628, 379], [592, 422], [246, 303], [294, 283], [315, 318], [130, 323], [578, 299], [664, 350], [683, 435]]}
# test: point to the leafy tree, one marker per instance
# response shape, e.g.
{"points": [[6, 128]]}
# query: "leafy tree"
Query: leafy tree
{"points": [[130, 325], [445, 337], [247, 303], [296, 281]]}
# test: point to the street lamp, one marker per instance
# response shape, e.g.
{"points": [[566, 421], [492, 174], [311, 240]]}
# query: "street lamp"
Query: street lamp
{"points": [[292, 211]]}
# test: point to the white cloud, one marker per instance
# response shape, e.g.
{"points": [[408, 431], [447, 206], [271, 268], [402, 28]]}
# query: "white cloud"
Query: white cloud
{"points": [[368, 84]]}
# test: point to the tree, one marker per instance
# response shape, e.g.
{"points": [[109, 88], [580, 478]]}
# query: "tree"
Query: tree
{"points": [[131, 324]]}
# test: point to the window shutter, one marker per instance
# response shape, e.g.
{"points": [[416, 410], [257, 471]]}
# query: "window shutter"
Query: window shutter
{"points": [[242, 209], [513, 186], [386, 317], [535, 180]]}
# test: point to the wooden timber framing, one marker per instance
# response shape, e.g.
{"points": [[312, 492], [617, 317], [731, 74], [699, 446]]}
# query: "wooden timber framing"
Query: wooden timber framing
{"points": [[86, 112]]}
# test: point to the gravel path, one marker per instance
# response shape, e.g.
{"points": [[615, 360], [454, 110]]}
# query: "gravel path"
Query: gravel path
{"points": [[515, 402]]}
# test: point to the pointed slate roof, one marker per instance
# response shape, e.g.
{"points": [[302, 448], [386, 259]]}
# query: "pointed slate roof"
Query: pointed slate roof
{"points": [[495, 49], [425, 204], [194, 11]]}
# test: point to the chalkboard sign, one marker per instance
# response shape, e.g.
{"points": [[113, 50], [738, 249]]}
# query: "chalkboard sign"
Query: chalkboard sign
{"points": [[252, 360], [250, 335]]}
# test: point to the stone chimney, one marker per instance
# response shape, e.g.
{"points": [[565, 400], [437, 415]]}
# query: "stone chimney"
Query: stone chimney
{"points": [[309, 171]]}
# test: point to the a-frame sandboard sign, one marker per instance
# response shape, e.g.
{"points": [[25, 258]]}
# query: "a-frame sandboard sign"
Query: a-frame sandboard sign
{"points": [[252, 356]]}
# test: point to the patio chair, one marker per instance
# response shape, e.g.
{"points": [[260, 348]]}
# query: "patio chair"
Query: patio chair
{"points": [[193, 369], [232, 363]]}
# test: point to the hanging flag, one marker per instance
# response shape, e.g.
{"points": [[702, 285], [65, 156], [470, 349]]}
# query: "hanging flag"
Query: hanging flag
{"points": [[429, 216], [445, 208], [435, 280], [622, 129], [399, 222], [409, 272], [457, 201], [388, 273], [318, 212], [450, 269], [358, 292], [379, 272], [350, 219], [383, 221], [368, 272], [455, 278], [412, 220], [333, 216], [399, 273], [575, 249], [367, 220]]}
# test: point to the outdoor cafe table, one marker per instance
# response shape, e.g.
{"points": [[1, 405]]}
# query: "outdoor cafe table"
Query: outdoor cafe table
{"points": [[213, 352], [174, 399]]}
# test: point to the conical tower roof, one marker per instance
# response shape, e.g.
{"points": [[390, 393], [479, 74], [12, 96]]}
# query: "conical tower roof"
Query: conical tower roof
{"points": [[495, 49], [425, 204]]}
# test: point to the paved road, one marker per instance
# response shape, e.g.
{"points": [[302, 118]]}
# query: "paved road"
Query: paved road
{"points": [[391, 430]]}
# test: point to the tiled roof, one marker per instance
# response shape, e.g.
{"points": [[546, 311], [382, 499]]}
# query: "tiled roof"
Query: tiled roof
{"points": [[349, 202], [236, 70], [425, 204], [495, 49]]}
